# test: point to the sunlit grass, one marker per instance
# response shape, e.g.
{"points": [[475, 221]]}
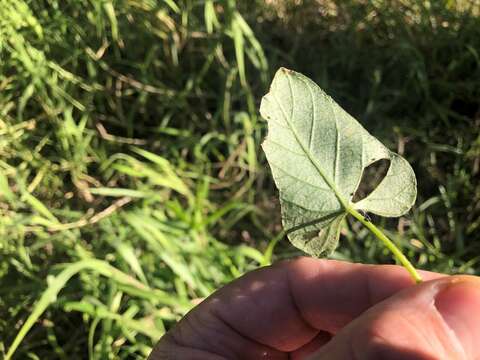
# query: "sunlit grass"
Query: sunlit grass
{"points": [[132, 184]]}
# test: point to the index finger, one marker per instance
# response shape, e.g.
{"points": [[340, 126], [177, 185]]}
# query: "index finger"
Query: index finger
{"points": [[329, 294], [281, 308], [286, 305]]}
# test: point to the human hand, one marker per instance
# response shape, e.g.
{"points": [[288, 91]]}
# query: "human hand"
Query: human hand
{"points": [[323, 309]]}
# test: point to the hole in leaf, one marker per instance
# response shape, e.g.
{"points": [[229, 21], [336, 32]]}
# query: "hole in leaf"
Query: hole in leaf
{"points": [[371, 178]]}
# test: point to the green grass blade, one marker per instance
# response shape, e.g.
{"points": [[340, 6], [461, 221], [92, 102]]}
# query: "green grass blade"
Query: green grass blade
{"points": [[58, 283]]}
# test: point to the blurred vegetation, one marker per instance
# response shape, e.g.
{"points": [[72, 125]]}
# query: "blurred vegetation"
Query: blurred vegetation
{"points": [[132, 183]]}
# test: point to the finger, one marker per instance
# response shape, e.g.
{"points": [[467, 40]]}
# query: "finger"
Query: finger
{"points": [[284, 307], [308, 349], [330, 294], [201, 335], [172, 351], [435, 320]]}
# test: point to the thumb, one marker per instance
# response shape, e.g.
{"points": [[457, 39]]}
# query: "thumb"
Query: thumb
{"points": [[438, 319]]}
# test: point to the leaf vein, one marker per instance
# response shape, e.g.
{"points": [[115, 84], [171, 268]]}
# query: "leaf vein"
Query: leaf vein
{"points": [[298, 178], [309, 155], [285, 148]]}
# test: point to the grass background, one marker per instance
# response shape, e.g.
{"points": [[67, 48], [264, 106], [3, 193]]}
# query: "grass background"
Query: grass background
{"points": [[132, 183]]}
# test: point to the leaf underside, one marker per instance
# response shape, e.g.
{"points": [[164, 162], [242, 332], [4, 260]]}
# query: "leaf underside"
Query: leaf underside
{"points": [[317, 153]]}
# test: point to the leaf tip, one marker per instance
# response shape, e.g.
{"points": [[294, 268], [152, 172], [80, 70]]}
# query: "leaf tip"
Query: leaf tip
{"points": [[282, 72], [285, 70]]}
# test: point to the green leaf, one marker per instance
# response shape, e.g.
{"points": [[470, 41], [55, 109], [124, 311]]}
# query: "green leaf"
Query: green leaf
{"points": [[317, 153]]}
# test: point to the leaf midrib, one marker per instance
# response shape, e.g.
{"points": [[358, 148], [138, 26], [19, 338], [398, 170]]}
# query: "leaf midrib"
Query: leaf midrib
{"points": [[342, 201]]}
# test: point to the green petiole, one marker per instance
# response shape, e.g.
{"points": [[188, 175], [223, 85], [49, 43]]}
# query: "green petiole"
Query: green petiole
{"points": [[388, 243]]}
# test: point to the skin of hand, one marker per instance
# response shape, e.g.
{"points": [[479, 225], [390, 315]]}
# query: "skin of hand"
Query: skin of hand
{"points": [[323, 309]]}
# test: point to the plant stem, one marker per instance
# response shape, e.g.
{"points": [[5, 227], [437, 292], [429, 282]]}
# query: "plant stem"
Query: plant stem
{"points": [[388, 243]]}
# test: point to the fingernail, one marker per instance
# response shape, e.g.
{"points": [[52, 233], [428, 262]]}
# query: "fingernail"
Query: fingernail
{"points": [[459, 305]]}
